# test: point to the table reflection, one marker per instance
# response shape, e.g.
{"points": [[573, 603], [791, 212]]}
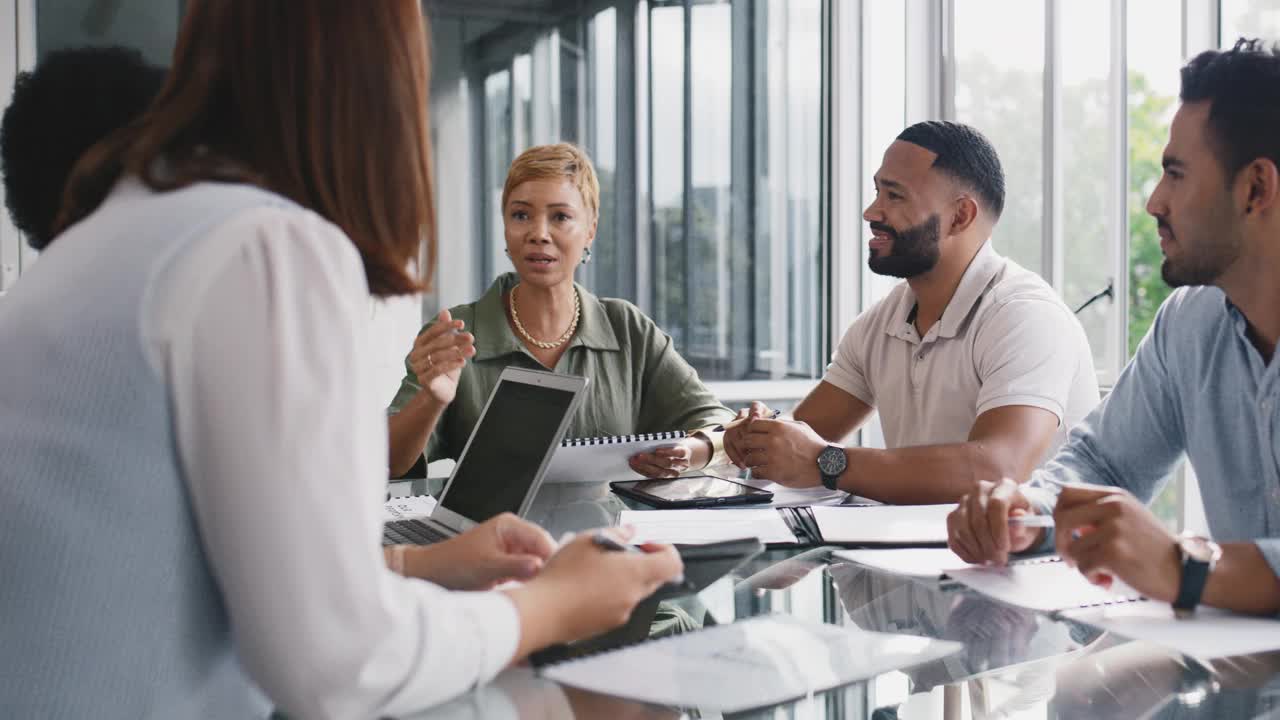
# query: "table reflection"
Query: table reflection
{"points": [[519, 694], [1015, 663]]}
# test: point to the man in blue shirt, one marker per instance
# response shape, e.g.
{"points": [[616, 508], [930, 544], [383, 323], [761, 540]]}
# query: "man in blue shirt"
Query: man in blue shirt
{"points": [[1203, 382]]}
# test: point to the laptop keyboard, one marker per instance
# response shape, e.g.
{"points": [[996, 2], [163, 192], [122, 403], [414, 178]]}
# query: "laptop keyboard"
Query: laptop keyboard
{"points": [[411, 532]]}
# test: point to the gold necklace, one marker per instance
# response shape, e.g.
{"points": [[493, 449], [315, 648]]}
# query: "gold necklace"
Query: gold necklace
{"points": [[515, 320]]}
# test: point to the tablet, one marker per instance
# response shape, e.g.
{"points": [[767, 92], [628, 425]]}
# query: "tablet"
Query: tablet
{"points": [[690, 492]]}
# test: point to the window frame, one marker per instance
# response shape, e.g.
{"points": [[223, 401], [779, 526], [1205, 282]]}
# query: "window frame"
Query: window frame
{"points": [[17, 54]]}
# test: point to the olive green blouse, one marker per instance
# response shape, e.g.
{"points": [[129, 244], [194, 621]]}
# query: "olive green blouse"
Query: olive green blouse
{"points": [[639, 383]]}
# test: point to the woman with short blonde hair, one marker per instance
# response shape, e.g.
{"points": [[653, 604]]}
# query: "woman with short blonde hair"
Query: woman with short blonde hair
{"points": [[538, 318]]}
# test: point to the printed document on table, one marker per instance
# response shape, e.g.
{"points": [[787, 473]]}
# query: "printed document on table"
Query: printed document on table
{"points": [[695, 527], [932, 563], [883, 524], [1044, 584], [755, 663], [1209, 634]]}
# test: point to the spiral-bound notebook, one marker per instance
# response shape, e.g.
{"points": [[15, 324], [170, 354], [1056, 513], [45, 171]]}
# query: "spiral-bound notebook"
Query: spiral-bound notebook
{"points": [[604, 459], [1050, 585]]}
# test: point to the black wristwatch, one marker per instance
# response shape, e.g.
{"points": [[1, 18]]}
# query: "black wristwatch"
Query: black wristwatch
{"points": [[832, 463], [1199, 556]]}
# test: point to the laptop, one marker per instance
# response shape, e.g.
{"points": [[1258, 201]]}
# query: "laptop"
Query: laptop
{"points": [[505, 458]]}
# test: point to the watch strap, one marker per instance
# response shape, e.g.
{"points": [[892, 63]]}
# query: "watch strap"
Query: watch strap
{"points": [[1195, 575]]}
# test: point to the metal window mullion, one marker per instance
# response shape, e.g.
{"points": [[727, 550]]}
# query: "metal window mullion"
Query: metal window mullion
{"points": [[480, 181], [924, 27], [644, 225], [1051, 260], [686, 215], [1119, 153], [10, 258], [842, 174], [625, 184], [1201, 26], [26, 56], [947, 62]]}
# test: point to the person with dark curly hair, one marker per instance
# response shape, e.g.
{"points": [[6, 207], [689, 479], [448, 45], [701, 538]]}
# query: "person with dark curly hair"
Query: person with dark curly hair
{"points": [[73, 99]]}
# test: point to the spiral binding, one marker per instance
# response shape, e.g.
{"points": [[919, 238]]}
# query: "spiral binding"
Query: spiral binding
{"points": [[620, 439]]}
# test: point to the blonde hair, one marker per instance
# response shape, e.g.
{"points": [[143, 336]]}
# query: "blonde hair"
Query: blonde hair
{"points": [[550, 162]]}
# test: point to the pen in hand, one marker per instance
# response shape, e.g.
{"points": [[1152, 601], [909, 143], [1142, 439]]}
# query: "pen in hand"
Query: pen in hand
{"points": [[735, 423], [1031, 521], [604, 541]]}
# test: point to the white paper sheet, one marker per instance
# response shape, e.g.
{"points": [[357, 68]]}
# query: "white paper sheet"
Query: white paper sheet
{"points": [[915, 562], [1041, 585], [1210, 634], [888, 524], [408, 508], [754, 663], [706, 526], [784, 496]]}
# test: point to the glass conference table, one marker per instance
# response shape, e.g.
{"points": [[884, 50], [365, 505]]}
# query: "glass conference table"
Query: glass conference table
{"points": [[1015, 663]]}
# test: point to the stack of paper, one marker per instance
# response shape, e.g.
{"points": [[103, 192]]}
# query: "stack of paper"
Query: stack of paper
{"points": [[706, 526], [750, 664]]}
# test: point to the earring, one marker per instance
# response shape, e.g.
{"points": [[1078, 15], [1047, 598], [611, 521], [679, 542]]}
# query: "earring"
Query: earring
{"points": [[586, 256], [507, 251]]}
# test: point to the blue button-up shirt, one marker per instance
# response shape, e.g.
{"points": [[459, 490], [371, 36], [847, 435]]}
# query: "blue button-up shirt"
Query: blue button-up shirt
{"points": [[1196, 387]]}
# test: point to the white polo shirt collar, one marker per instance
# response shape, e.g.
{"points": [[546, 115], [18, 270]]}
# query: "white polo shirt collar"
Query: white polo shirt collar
{"points": [[983, 268]]}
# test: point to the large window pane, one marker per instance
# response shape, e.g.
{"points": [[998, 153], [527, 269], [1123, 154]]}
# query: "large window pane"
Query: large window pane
{"points": [[884, 114], [1000, 90], [498, 156], [1090, 190], [1251, 19], [705, 263], [794, 181], [151, 26], [604, 272], [666, 130], [1155, 56], [522, 95]]}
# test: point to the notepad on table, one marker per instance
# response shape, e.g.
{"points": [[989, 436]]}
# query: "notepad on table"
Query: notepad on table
{"points": [[1052, 586], [750, 664], [604, 459], [894, 525]]}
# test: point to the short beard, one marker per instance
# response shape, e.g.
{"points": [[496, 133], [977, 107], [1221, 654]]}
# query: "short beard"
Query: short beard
{"points": [[915, 251], [1205, 261]]}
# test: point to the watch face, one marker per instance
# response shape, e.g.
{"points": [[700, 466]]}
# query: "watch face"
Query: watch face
{"points": [[1197, 548], [831, 461]]}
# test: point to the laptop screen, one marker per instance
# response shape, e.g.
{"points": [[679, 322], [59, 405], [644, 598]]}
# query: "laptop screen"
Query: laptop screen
{"points": [[506, 450]]}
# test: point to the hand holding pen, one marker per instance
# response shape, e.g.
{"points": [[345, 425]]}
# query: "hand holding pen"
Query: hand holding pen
{"points": [[737, 428]]}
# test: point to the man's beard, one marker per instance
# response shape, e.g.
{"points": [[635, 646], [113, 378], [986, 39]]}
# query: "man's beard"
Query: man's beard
{"points": [[1204, 261], [915, 250]]}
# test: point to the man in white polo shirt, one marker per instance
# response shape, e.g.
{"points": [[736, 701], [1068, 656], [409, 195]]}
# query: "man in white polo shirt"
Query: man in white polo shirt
{"points": [[975, 365]]}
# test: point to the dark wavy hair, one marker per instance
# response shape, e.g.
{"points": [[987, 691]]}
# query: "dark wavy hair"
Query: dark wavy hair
{"points": [[965, 155], [1242, 86], [69, 102]]}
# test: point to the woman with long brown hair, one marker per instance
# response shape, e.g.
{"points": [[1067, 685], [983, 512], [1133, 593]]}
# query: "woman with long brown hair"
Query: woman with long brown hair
{"points": [[190, 474]]}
